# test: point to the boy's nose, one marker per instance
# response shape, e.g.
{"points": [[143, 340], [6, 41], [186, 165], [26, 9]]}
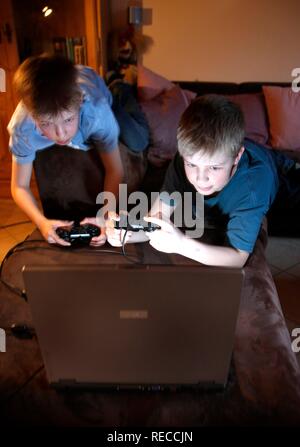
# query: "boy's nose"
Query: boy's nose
{"points": [[59, 130], [202, 176]]}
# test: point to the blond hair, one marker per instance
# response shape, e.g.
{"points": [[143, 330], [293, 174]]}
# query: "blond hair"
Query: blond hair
{"points": [[211, 123]]}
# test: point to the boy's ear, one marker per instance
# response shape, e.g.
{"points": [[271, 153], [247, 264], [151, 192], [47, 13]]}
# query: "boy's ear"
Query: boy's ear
{"points": [[238, 157]]}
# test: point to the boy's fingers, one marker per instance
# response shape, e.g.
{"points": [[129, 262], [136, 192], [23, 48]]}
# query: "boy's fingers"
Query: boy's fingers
{"points": [[98, 242], [162, 223], [62, 223], [115, 237], [114, 243], [101, 236], [113, 215], [53, 238]]}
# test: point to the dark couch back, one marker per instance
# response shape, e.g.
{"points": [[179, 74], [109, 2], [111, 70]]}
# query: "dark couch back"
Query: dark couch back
{"points": [[226, 88]]}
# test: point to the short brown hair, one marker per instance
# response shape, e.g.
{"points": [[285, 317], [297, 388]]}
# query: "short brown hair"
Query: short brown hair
{"points": [[47, 84], [211, 123]]}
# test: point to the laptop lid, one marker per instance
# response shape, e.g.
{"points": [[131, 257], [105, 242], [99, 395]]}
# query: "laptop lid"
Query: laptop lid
{"points": [[128, 325]]}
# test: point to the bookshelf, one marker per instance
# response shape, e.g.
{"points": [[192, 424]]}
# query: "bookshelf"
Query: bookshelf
{"points": [[73, 23], [65, 31], [73, 48]]}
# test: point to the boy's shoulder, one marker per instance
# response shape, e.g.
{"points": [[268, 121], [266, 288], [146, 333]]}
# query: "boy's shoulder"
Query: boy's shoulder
{"points": [[257, 161], [257, 174], [267, 157], [20, 122], [93, 86]]}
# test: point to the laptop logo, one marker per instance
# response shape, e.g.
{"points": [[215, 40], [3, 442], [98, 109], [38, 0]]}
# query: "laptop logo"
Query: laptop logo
{"points": [[133, 314], [2, 340]]}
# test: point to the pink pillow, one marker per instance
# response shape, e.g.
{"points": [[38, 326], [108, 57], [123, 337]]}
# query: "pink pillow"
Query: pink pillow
{"points": [[255, 115], [189, 95], [150, 84], [163, 114], [283, 107]]}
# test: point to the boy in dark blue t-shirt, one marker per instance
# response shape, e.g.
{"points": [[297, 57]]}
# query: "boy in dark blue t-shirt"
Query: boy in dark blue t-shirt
{"points": [[237, 179]]}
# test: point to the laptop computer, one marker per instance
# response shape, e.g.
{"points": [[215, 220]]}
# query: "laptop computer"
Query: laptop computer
{"points": [[134, 325]]}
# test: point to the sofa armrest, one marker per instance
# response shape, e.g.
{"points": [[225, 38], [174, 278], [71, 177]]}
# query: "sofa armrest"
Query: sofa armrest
{"points": [[266, 367]]}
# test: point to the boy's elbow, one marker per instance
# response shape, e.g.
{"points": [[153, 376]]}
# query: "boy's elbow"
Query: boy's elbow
{"points": [[242, 258], [121, 171], [119, 174], [17, 190], [13, 189]]}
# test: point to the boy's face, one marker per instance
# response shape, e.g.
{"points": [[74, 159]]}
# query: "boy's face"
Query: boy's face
{"points": [[209, 174], [60, 128]]}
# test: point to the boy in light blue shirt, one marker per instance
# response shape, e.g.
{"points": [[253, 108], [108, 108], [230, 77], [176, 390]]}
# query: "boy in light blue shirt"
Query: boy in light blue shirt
{"points": [[66, 105]]}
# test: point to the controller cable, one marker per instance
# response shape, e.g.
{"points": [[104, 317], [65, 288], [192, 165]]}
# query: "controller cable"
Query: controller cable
{"points": [[129, 258], [3, 227]]}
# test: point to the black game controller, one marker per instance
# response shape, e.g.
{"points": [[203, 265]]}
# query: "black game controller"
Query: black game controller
{"points": [[123, 224], [78, 234]]}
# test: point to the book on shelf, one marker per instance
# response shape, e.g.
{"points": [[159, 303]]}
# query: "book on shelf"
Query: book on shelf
{"points": [[73, 48]]}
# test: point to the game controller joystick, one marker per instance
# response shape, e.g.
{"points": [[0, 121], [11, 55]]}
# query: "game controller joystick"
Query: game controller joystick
{"points": [[78, 233], [132, 225]]}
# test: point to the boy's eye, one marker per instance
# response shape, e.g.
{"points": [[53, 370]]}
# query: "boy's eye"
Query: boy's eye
{"points": [[68, 120], [190, 165], [215, 168], [44, 125]]}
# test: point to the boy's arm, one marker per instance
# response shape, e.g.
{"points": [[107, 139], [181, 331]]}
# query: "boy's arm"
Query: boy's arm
{"points": [[21, 192], [213, 255], [22, 195], [113, 176], [170, 240], [114, 171]]}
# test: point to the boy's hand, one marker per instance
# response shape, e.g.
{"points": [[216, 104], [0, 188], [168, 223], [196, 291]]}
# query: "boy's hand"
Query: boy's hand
{"points": [[115, 237], [96, 241], [48, 229], [168, 239]]}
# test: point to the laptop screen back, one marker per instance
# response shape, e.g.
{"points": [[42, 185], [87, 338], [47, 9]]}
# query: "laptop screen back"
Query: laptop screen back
{"points": [[134, 325]]}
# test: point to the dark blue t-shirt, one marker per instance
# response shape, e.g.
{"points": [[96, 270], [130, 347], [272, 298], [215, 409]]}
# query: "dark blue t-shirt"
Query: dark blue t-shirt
{"points": [[240, 206]]}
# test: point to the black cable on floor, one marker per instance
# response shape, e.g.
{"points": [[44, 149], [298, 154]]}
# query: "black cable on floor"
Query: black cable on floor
{"points": [[14, 224], [21, 387]]}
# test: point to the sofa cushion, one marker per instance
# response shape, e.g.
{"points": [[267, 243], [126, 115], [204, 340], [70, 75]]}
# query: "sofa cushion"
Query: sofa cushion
{"points": [[150, 84], [69, 180], [189, 95], [163, 114], [283, 107], [255, 114]]}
